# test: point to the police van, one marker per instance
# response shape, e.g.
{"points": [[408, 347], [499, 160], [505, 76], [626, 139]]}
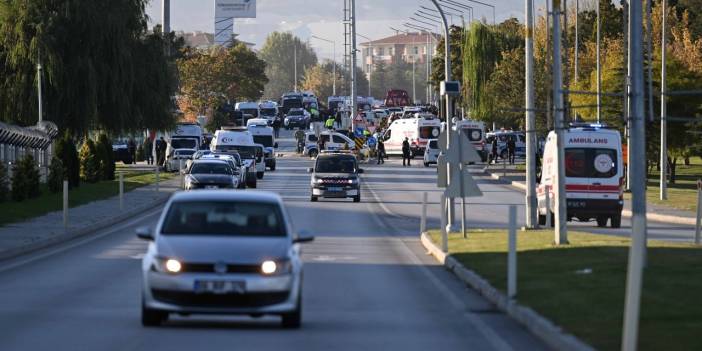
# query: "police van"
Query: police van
{"points": [[418, 130], [475, 132], [594, 175], [264, 135], [241, 141]]}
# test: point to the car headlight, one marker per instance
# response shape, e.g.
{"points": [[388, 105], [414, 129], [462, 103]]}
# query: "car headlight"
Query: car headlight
{"points": [[167, 265], [270, 267], [319, 180]]}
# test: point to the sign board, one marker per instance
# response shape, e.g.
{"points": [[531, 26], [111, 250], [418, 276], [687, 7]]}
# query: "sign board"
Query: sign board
{"points": [[467, 153], [470, 187], [235, 9], [450, 88]]}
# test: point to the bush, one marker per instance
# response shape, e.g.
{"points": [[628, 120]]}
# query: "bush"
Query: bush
{"points": [[65, 149], [89, 162], [4, 183], [56, 175], [105, 157], [25, 179]]}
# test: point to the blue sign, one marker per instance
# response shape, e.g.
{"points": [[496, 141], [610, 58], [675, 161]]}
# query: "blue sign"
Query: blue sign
{"points": [[371, 142]]}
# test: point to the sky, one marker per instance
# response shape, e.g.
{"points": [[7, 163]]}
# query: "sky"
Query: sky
{"points": [[322, 18]]}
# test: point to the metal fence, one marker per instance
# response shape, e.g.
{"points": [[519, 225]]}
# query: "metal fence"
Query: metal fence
{"points": [[16, 142]]}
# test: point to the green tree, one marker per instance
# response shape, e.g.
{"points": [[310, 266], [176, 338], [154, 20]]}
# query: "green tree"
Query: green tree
{"points": [[278, 51], [25, 179], [105, 156], [89, 162], [55, 179], [480, 54], [65, 150], [320, 80]]}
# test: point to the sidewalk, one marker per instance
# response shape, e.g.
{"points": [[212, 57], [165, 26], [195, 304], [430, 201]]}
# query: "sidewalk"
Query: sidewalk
{"points": [[658, 213], [47, 230]]}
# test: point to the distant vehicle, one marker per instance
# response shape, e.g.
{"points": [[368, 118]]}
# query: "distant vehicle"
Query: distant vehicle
{"points": [[335, 175], [260, 160], [210, 174], [234, 161], [264, 135], [594, 175], [474, 131], [397, 98], [120, 152], [241, 141], [178, 159], [291, 100], [502, 137], [297, 118], [332, 141], [431, 153], [185, 136], [268, 110], [222, 252], [336, 103], [248, 109], [417, 130]]}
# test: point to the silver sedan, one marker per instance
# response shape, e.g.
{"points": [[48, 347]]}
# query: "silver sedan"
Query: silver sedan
{"points": [[222, 252]]}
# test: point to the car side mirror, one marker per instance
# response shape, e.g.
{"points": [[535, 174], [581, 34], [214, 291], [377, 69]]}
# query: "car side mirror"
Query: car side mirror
{"points": [[145, 233], [310, 170], [275, 146], [303, 237], [360, 170]]}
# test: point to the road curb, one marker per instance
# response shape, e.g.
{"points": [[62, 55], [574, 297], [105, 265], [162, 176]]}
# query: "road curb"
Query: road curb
{"points": [[77, 233], [553, 335], [625, 213]]}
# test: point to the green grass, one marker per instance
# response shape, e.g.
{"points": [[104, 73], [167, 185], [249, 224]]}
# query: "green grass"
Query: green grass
{"points": [[590, 306], [683, 194], [11, 211]]}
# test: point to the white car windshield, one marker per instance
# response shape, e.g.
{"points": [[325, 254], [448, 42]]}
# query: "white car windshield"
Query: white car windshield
{"points": [[224, 218]]}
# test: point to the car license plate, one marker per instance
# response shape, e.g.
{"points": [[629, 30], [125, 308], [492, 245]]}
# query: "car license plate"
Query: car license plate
{"points": [[335, 188], [211, 187], [220, 286]]}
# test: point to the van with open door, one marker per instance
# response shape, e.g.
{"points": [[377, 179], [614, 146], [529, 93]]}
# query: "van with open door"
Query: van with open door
{"points": [[594, 175]]}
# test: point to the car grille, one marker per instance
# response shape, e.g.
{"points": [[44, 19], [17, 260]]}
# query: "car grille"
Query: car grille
{"points": [[203, 185], [191, 299], [343, 181], [231, 268]]}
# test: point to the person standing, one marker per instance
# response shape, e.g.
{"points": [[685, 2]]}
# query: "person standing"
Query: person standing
{"points": [[337, 120], [161, 151], [511, 148], [406, 152], [494, 150], [381, 152], [276, 126], [300, 138], [329, 123], [148, 152], [131, 147]]}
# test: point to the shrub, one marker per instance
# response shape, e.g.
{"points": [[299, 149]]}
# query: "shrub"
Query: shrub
{"points": [[25, 179], [65, 149], [105, 157], [4, 183], [56, 175], [89, 162]]}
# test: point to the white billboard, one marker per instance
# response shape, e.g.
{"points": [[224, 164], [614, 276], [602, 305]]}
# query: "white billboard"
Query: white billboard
{"points": [[235, 9]]}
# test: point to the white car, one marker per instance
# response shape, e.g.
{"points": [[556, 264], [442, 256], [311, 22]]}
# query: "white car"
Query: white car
{"points": [[222, 252], [431, 153]]}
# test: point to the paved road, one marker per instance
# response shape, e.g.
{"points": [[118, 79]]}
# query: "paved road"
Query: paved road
{"points": [[368, 285]]}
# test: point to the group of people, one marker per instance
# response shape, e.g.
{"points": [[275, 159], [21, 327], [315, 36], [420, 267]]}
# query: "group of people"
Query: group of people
{"points": [[511, 150]]}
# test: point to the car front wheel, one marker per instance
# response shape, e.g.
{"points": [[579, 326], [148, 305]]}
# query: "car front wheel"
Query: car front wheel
{"points": [[293, 320], [151, 317]]}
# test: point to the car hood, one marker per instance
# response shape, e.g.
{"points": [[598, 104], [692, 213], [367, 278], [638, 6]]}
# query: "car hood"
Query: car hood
{"points": [[335, 175], [211, 178], [220, 248]]}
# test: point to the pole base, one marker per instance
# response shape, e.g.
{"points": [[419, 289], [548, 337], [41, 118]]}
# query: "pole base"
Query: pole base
{"points": [[452, 228]]}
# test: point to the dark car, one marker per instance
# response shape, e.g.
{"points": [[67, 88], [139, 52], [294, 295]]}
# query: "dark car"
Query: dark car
{"points": [[297, 117], [210, 174], [335, 175], [120, 152]]}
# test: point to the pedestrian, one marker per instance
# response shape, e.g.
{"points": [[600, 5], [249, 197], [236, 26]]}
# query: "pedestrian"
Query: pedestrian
{"points": [[381, 152], [329, 123], [276, 126], [511, 147], [300, 138], [337, 120], [406, 152], [494, 150], [161, 151], [148, 152], [131, 148]]}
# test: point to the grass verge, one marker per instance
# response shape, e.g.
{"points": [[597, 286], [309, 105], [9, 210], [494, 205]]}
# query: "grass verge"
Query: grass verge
{"points": [[553, 281], [11, 211]]}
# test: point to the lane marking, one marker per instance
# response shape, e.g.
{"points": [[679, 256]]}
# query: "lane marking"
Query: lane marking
{"points": [[63, 248]]}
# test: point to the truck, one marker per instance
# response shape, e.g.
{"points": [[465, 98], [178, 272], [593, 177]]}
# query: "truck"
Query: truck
{"points": [[248, 109], [268, 110], [291, 100], [397, 98]]}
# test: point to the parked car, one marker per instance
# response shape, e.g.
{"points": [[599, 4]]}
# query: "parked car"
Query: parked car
{"points": [[431, 153]]}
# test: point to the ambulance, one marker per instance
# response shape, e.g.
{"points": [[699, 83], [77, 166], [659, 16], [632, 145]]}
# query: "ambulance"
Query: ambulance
{"points": [[594, 175], [419, 129], [475, 132]]}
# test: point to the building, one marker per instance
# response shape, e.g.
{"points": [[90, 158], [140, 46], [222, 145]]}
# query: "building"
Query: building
{"points": [[407, 47]]}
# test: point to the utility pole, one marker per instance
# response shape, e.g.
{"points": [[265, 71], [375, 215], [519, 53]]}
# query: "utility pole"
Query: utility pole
{"points": [[561, 233], [166, 16], [577, 45], [295, 64], [664, 111], [638, 180], [549, 59], [531, 220], [599, 70], [39, 74], [353, 66]]}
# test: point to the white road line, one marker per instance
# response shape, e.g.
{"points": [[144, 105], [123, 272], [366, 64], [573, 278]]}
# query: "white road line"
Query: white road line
{"points": [[23, 261], [488, 333]]}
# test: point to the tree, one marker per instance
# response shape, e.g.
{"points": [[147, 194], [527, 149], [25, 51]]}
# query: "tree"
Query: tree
{"points": [[278, 51], [65, 150], [320, 80], [25, 179], [479, 58], [89, 162]]}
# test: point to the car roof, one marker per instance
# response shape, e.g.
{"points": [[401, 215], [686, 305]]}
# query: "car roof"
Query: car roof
{"points": [[231, 195], [208, 160], [336, 154]]}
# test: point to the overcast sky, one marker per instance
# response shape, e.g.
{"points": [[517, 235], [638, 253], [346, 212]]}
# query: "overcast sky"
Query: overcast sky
{"points": [[318, 17]]}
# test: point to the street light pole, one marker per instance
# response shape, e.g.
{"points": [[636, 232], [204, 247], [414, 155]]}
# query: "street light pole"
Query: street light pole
{"points": [[561, 233], [599, 70], [354, 101], [531, 220], [664, 111], [41, 107]]}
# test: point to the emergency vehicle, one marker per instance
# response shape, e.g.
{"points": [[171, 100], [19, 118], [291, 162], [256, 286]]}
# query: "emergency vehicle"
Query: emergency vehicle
{"points": [[264, 135], [241, 141], [268, 110], [594, 175], [475, 132], [418, 130], [247, 108]]}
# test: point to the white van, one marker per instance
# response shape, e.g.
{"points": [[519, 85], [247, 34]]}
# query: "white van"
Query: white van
{"points": [[475, 132], [268, 110], [594, 175], [333, 141], [248, 109], [241, 141], [418, 130], [264, 135]]}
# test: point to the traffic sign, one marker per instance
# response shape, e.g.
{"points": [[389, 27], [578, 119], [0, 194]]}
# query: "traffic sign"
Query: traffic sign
{"points": [[467, 152], [470, 187]]}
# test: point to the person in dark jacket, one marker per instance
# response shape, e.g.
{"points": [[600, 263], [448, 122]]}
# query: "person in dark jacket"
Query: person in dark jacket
{"points": [[380, 151], [511, 148], [406, 152], [494, 150]]}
